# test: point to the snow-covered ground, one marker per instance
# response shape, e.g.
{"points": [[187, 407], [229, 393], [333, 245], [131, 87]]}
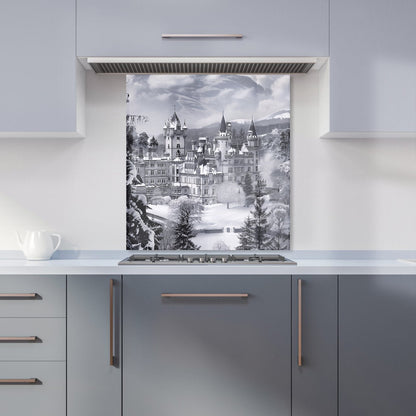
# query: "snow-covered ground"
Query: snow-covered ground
{"points": [[218, 216], [217, 241], [214, 217]]}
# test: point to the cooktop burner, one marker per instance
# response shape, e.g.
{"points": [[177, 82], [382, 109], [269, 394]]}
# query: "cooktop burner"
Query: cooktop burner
{"points": [[206, 258]]}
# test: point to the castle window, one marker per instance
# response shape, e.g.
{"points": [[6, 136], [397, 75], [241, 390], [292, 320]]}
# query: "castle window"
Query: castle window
{"points": [[178, 146]]}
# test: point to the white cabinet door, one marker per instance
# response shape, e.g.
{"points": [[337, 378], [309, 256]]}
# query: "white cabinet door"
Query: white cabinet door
{"points": [[39, 68], [269, 27], [373, 66]]}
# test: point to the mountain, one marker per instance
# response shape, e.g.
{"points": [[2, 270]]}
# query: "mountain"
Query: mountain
{"points": [[280, 115], [265, 125]]}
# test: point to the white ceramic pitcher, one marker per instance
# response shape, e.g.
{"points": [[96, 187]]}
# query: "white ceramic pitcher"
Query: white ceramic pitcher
{"points": [[38, 245]]}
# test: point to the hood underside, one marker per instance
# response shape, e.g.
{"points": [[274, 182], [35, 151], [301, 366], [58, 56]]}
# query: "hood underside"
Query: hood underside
{"points": [[201, 65]]}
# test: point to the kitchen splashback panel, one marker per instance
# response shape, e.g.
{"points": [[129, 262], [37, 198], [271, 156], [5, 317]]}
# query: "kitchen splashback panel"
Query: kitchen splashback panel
{"points": [[208, 162]]}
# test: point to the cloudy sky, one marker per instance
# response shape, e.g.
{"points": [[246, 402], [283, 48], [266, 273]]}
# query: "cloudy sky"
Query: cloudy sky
{"points": [[200, 99]]}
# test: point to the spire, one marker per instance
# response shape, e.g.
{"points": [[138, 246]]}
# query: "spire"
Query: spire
{"points": [[252, 128], [223, 127]]}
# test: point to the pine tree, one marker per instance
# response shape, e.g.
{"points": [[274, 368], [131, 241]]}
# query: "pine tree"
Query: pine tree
{"points": [[142, 142], [260, 216], [248, 189], [142, 232], [284, 144], [184, 230], [246, 236], [260, 186]]}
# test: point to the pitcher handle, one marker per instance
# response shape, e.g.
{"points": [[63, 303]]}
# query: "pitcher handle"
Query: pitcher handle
{"points": [[58, 243], [19, 239]]}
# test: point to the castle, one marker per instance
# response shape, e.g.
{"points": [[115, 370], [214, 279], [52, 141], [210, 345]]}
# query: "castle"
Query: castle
{"points": [[197, 171]]}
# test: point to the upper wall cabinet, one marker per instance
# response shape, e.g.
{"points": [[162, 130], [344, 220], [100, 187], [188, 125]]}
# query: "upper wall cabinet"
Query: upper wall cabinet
{"points": [[372, 68], [269, 27], [40, 83]]}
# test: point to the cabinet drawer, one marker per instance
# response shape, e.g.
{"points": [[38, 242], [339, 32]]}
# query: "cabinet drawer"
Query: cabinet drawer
{"points": [[32, 296], [45, 397], [32, 339]]}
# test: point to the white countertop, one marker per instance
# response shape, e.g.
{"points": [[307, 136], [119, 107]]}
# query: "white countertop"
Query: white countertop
{"points": [[307, 263]]}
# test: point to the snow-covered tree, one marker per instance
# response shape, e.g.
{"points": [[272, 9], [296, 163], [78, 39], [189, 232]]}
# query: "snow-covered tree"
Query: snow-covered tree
{"points": [[184, 230], [246, 236], [229, 192], [142, 232], [248, 189], [280, 228], [260, 216], [142, 142], [255, 233], [284, 144], [196, 208]]}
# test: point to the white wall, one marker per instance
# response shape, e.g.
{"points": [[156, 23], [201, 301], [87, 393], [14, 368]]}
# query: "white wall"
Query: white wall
{"points": [[74, 187], [346, 194]]}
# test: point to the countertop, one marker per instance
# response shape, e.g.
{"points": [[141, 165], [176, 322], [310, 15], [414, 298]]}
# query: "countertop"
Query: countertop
{"points": [[308, 262]]}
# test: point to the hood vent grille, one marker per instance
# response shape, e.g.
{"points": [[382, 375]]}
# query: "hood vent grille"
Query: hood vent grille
{"points": [[205, 67]]}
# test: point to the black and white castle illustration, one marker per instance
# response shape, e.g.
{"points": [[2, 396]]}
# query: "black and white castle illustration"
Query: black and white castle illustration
{"points": [[220, 187]]}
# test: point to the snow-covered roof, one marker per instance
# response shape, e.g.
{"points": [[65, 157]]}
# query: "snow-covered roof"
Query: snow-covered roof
{"points": [[244, 149]]}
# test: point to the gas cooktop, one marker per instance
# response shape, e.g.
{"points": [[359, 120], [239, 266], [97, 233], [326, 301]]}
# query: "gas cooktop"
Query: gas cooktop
{"points": [[206, 258]]}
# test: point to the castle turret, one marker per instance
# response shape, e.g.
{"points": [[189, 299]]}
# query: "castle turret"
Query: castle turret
{"points": [[175, 136], [223, 126], [252, 139], [253, 145], [224, 137]]}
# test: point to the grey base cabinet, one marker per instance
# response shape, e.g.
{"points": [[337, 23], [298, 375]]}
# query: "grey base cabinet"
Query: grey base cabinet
{"points": [[40, 393], [377, 345], [186, 356], [32, 345], [93, 383], [314, 381]]}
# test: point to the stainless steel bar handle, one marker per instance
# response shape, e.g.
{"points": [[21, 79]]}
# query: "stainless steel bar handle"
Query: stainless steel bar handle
{"points": [[201, 36], [18, 339], [9, 296], [19, 381], [112, 358], [299, 322], [205, 295]]}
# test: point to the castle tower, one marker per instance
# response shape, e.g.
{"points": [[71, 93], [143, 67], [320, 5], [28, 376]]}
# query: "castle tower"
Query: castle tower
{"points": [[224, 137], [253, 145], [252, 139], [174, 135]]}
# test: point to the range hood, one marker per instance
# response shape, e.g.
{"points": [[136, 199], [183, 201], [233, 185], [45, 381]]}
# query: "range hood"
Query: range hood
{"points": [[204, 65]]}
